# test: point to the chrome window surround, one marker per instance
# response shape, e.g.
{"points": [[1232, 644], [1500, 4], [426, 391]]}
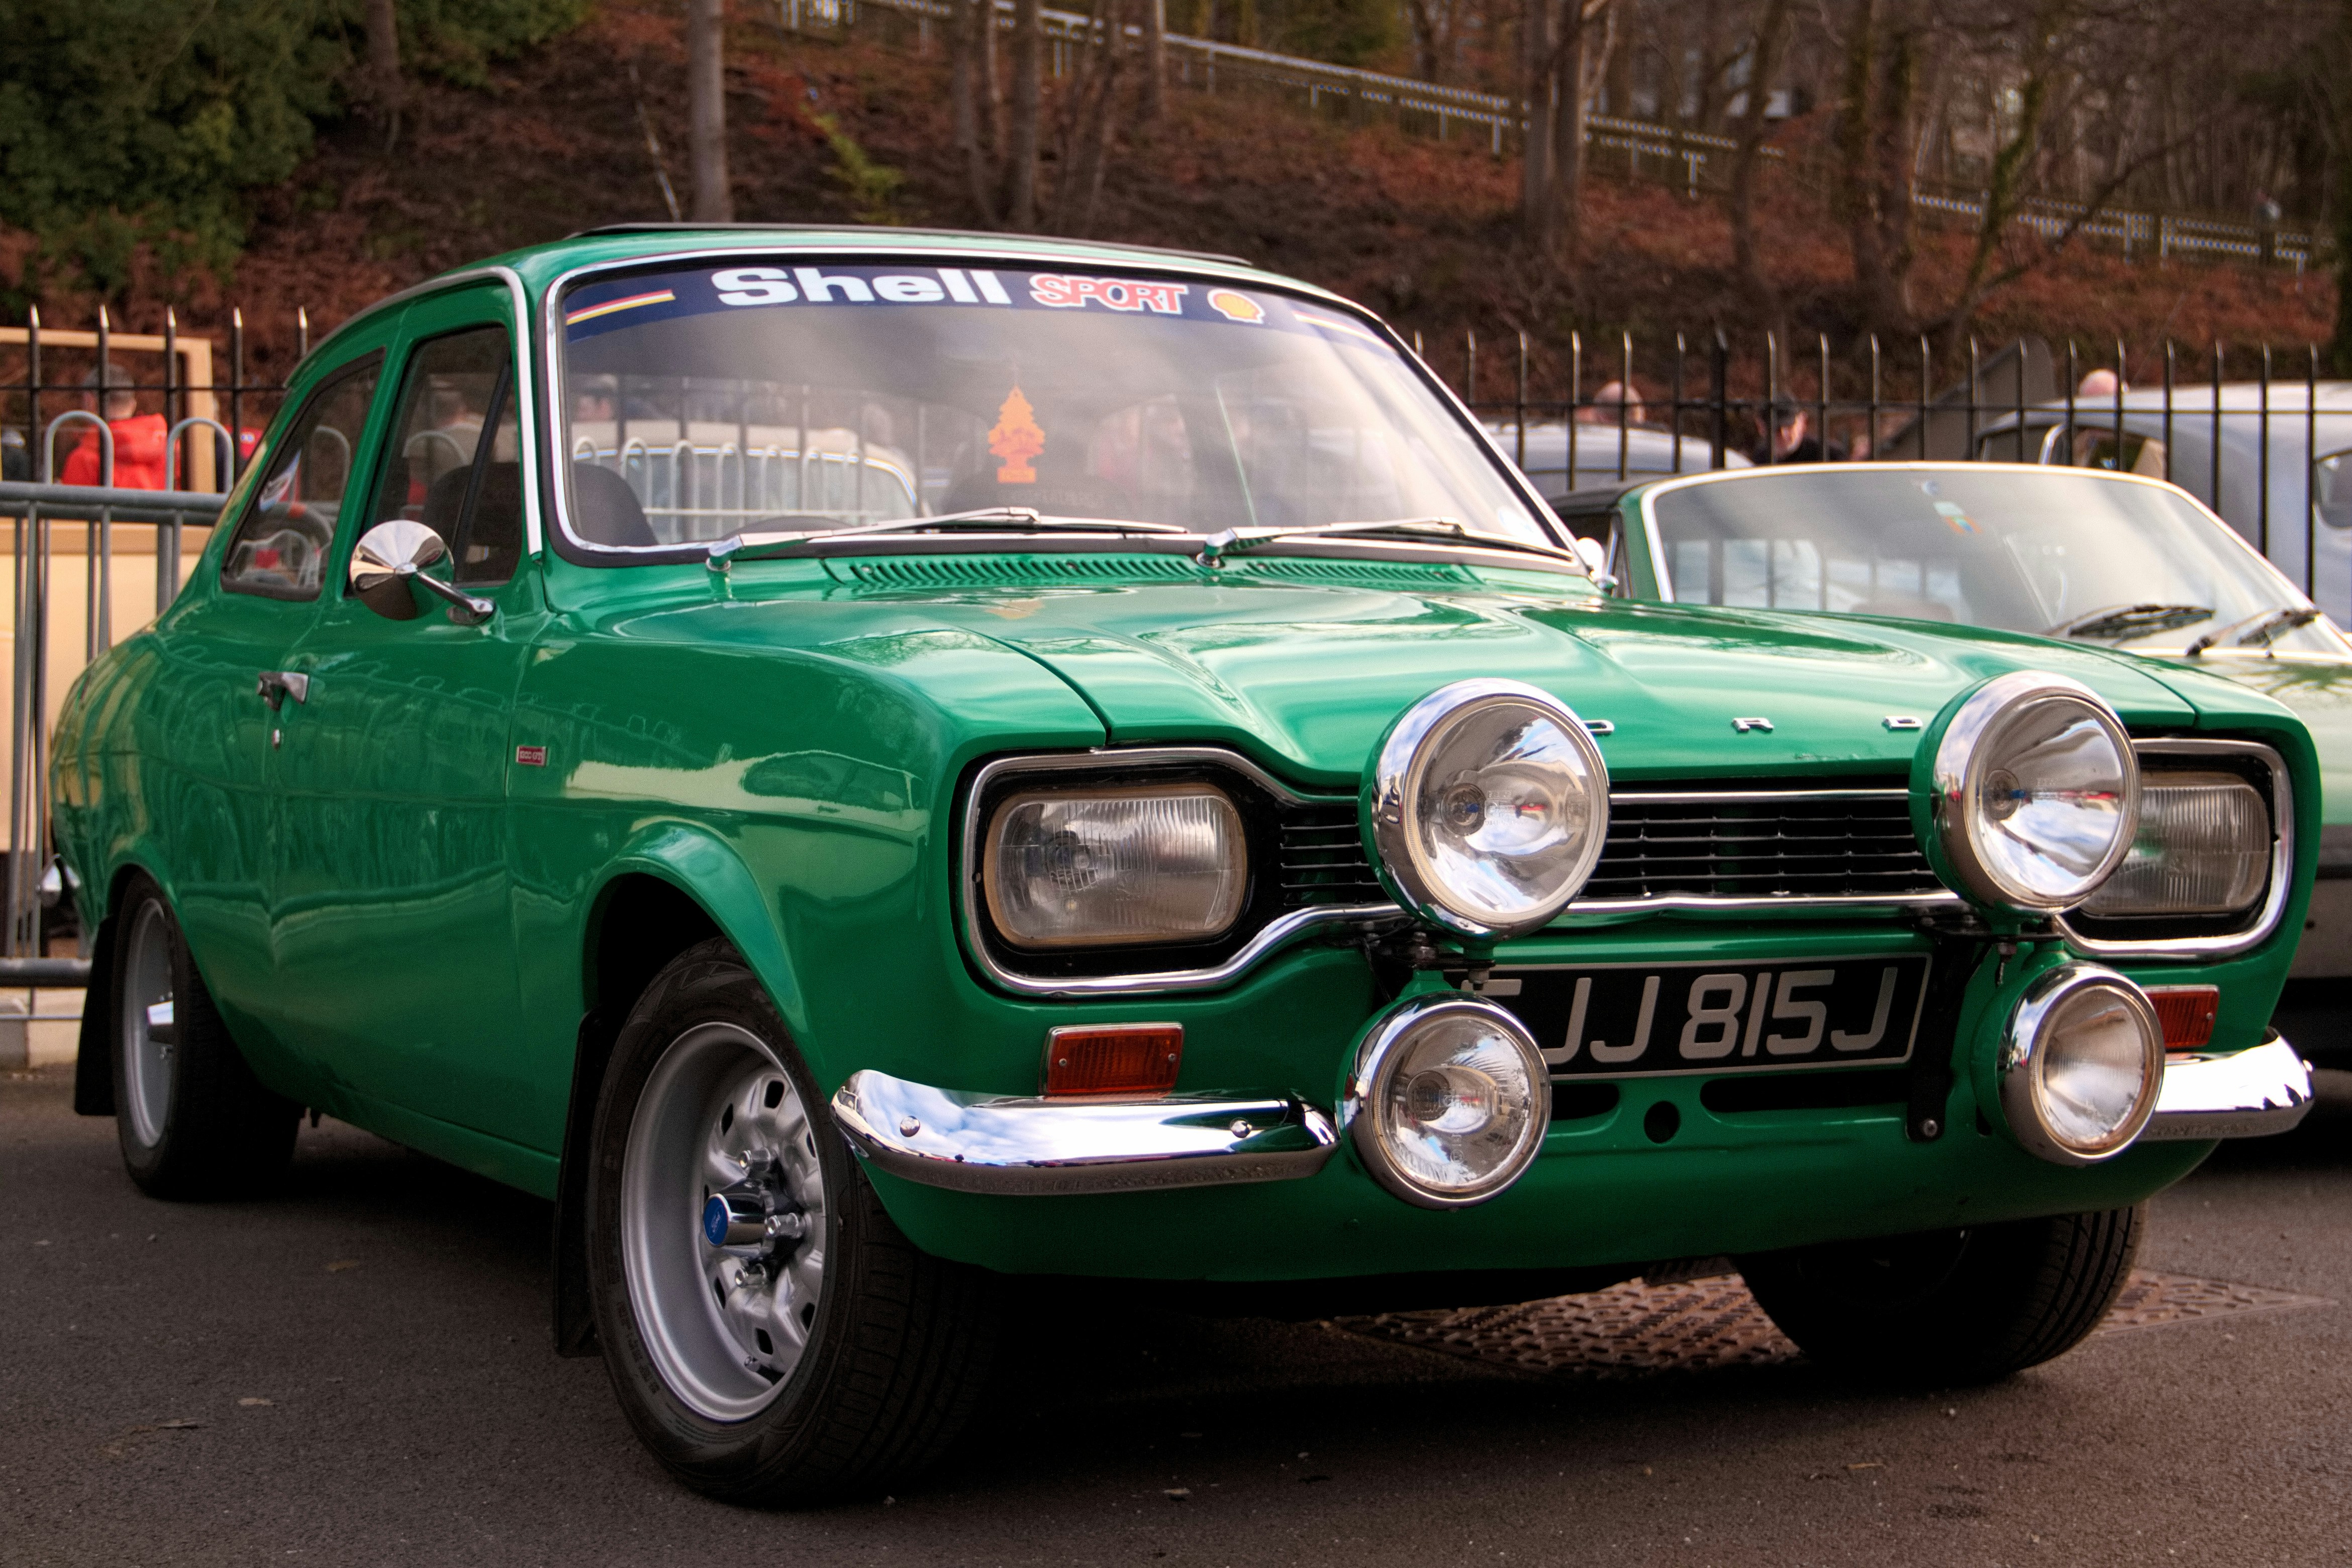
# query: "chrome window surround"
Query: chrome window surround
{"points": [[1275, 933], [929, 252], [2275, 897], [534, 536], [1286, 929]]}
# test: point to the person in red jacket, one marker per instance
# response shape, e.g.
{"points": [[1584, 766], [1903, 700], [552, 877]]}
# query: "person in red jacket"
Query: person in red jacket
{"points": [[140, 439]]}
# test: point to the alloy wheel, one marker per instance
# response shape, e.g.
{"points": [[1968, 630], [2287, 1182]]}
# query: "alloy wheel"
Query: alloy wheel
{"points": [[149, 1040], [723, 1221]]}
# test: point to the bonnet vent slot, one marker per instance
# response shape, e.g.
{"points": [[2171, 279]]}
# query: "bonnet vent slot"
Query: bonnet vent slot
{"points": [[1389, 574], [1004, 570]]}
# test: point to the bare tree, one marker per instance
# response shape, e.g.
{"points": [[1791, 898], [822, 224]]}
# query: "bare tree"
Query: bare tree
{"points": [[1769, 45], [977, 102], [384, 92], [705, 91], [1025, 134], [1873, 187], [1535, 113], [1433, 24], [1155, 60], [1588, 34], [1565, 55], [1088, 120], [2339, 54]]}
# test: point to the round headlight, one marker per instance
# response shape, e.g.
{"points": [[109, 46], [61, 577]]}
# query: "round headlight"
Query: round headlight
{"points": [[2082, 1065], [1487, 807], [2036, 792], [1448, 1101]]}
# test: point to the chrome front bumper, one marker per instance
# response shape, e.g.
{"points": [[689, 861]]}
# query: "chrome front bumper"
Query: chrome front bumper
{"points": [[1002, 1144], [2237, 1094], [998, 1143]]}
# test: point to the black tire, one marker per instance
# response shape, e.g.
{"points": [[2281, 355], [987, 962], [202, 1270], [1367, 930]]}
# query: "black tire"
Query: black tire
{"points": [[893, 1355], [1954, 1307], [191, 1118]]}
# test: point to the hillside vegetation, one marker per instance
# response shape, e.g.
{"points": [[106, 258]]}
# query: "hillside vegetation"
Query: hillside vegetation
{"points": [[552, 139]]}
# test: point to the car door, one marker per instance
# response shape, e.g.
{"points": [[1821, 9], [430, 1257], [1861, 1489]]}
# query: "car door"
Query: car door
{"points": [[390, 910], [216, 699]]}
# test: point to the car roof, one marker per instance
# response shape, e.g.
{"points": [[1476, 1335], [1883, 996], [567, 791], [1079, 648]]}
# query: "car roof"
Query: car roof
{"points": [[540, 265], [923, 232]]}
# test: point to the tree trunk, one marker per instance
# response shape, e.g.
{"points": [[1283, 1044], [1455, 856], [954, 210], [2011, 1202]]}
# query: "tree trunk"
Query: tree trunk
{"points": [[1028, 93], [1874, 160], [971, 88], [1536, 109], [383, 84], [1094, 99], [1590, 32], [1427, 61], [705, 91], [1155, 58], [2339, 346], [1746, 163]]}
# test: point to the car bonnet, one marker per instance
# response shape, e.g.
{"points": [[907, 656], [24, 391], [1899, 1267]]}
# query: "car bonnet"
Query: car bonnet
{"points": [[1305, 676]]}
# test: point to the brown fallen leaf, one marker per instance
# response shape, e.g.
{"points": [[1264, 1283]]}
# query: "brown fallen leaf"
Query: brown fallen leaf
{"points": [[1867, 1465], [339, 1264], [256, 1400], [1178, 1494], [183, 1424]]}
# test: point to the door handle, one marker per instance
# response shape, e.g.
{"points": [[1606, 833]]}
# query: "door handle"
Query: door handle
{"points": [[276, 685]]}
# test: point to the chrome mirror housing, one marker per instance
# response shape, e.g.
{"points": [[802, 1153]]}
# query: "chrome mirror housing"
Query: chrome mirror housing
{"points": [[391, 558]]}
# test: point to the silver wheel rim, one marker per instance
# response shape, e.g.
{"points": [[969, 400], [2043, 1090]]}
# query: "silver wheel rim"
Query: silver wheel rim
{"points": [[148, 1064], [725, 1322]]}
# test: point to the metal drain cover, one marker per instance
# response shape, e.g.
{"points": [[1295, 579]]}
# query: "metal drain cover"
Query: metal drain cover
{"points": [[1639, 1329]]}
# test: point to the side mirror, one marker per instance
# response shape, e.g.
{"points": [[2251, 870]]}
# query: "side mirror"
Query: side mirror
{"points": [[1596, 563], [389, 562]]}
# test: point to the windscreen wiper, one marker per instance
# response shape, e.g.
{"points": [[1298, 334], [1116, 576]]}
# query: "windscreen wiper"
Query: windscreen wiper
{"points": [[1239, 541], [2121, 621], [2261, 629], [1012, 518]]}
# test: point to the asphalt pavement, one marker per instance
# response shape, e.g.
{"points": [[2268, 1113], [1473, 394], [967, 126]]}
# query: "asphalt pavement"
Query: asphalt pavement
{"points": [[358, 1370]]}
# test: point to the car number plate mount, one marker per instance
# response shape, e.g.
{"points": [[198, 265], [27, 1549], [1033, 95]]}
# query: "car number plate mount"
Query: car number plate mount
{"points": [[1653, 1020]]}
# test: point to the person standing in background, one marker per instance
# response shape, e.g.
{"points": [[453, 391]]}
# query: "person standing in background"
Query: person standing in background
{"points": [[140, 439]]}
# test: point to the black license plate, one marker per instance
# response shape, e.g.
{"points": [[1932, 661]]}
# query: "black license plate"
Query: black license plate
{"points": [[1629, 1020]]}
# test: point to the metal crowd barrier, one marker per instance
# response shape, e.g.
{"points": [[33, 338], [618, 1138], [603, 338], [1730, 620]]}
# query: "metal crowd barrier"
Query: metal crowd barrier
{"points": [[38, 510]]}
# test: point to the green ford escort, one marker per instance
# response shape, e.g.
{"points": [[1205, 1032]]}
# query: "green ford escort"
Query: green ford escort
{"points": [[865, 763]]}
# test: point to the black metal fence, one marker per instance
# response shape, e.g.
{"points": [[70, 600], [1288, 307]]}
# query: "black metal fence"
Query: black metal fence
{"points": [[2255, 433], [211, 398], [174, 416]]}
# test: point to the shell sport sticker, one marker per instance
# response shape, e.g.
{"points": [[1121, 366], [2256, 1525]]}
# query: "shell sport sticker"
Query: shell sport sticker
{"points": [[1017, 440], [1235, 307], [1126, 294]]}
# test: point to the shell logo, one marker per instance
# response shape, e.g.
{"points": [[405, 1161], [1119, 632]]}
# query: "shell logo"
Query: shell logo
{"points": [[1235, 307]]}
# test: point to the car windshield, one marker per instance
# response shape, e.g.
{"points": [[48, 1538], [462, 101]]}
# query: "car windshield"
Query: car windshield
{"points": [[737, 395], [2112, 561]]}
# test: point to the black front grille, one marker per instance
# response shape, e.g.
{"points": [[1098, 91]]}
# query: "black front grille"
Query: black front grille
{"points": [[1793, 847], [1323, 859], [1718, 847]]}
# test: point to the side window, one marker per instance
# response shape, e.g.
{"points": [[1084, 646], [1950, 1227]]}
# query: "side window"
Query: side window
{"points": [[280, 548], [452, 460]]}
